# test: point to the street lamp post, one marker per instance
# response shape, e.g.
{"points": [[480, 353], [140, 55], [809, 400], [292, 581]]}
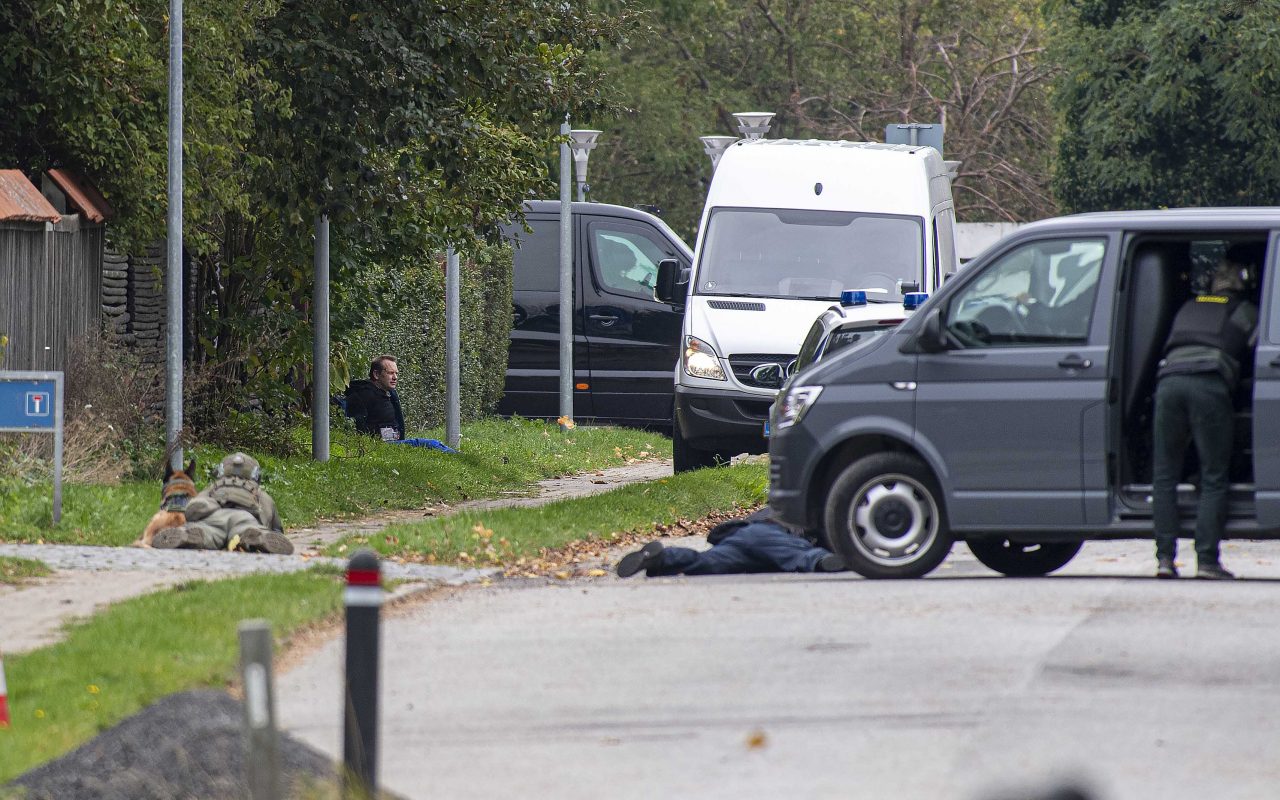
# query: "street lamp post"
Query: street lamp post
{"points": [[582, 142], [715, 146], [754, 124], [566, 282]]}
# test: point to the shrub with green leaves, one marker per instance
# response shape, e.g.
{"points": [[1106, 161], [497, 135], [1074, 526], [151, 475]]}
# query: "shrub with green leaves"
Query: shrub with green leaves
{"points": [[416, 337]]}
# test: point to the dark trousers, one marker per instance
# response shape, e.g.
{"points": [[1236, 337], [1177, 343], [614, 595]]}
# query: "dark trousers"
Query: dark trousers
{"points": [[755, 547], [1196, 408]]}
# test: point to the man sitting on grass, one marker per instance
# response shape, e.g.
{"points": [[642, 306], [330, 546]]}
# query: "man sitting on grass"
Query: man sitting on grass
{"points": [[374, 404]]}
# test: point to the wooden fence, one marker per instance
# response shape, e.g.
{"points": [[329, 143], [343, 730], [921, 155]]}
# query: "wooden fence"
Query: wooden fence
{"points": [[50, 289]]}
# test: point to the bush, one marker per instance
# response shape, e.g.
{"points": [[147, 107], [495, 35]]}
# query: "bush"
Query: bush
{"points": [[417, 339], [112, 403]]}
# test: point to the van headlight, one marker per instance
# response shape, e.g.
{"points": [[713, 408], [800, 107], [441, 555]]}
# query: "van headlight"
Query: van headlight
{"points": [[795, 402], [700, 360]]}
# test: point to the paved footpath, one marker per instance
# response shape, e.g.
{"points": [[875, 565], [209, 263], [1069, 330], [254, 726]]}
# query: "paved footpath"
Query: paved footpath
{"points": [[87, 579]]}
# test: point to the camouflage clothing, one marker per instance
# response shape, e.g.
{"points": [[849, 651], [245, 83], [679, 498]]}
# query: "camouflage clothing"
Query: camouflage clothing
{"points": [[234, 505]]}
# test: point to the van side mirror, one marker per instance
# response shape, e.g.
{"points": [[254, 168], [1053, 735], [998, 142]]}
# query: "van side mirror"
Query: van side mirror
{"points": [[906, 287], [672, 284], [929, 337]]}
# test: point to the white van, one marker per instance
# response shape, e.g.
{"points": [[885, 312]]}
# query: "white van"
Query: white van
{"points": [[788, 226]]}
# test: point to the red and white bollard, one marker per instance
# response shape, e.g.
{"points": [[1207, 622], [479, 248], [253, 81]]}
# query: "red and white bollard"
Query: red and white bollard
{"points": [[4, 697], [360, 691]]}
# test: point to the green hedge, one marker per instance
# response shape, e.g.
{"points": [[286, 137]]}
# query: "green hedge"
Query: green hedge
{"points": [[417, 339]]}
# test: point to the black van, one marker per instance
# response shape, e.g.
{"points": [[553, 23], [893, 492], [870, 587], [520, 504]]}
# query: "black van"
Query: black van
{"points": [[625, 343]]}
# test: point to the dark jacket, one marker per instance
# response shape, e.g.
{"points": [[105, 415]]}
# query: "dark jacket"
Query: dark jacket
{"points": [[1211, 333], [373, 409]]}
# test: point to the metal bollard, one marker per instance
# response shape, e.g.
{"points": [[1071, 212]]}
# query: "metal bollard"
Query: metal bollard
{"points": [[262, 744], [363, 598]]}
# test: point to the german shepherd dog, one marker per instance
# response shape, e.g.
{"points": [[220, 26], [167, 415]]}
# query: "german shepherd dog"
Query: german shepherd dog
{"points": [[177, 491]]}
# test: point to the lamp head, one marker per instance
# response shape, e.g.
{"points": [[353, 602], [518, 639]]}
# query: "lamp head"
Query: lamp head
{"points": [[754, 124]]}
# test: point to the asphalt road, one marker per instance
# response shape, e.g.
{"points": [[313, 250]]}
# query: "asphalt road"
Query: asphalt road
{"points": [[963, 685]]}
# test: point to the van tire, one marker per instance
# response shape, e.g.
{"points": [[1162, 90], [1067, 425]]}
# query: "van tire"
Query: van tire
{"points": [[684, 457], [1023, 559], [884, 515]]}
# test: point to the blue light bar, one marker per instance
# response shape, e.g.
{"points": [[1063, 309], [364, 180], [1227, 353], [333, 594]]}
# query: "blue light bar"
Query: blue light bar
{"points": [[853, 297], [913, 300]]}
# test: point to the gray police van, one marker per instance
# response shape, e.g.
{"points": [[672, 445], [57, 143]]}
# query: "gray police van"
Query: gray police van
{"points": [[1014, 409]]}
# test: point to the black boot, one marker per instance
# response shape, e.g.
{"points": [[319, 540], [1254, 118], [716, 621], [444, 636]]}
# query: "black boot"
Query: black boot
{"points": [[632, 563], [1213, 571]]}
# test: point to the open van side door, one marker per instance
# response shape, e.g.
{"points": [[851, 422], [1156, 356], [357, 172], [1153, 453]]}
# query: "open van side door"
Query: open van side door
{"points": [[1266, 395]]}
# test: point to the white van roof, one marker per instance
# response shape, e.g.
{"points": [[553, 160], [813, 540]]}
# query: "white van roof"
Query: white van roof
{"points": [[854, 176]]}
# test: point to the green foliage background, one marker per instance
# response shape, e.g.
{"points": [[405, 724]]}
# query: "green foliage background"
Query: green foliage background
{"points": [[1168, 104], [830, 69], [416, 335], [411, 125]]}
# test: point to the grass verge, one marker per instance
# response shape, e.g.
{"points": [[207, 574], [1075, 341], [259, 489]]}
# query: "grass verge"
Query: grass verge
{"points": [[139, 650], [500, 537], [363, 476], [19, 570]]}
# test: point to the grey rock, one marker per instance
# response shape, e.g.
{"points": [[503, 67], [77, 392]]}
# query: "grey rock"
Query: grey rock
{"points": [[187, 745]]}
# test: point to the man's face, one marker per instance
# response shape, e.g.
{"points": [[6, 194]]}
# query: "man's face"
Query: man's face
{"points": [[386, 379]]}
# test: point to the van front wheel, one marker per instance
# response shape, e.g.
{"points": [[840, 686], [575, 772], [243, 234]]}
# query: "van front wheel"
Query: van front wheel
{"points": [[1023, 559], [685, 457], [884, 515]]}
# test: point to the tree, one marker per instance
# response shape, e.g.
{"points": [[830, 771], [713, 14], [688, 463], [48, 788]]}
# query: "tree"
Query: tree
{"points": [[1168, 104], [832, 69], [410, 123]]}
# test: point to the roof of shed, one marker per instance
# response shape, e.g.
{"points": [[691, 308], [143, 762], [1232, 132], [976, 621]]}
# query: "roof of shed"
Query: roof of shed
{"points": [[20, 201], [82, 194]]}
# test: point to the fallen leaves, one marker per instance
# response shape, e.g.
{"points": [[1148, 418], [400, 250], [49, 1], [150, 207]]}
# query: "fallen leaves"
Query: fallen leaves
{"points": [[590, 558]]}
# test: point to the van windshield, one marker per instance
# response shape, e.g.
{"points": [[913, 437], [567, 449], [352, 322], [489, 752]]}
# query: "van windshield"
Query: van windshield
{"points": [[756, 252]]}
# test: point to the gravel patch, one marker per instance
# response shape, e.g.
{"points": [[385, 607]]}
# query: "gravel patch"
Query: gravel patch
{"points": [[187, 746]]}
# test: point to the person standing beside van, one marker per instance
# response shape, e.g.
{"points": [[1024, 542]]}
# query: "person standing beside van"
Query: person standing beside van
{"points": [[1211, 339]]}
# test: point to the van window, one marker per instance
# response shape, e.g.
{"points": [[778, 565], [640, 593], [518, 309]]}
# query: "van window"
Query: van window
{"points": [[536, 259], [626, 259], [1039, 294], [753, 252]]}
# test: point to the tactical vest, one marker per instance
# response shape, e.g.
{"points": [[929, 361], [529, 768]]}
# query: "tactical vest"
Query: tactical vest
{"points": [[233, 492], [1207, 322]]}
